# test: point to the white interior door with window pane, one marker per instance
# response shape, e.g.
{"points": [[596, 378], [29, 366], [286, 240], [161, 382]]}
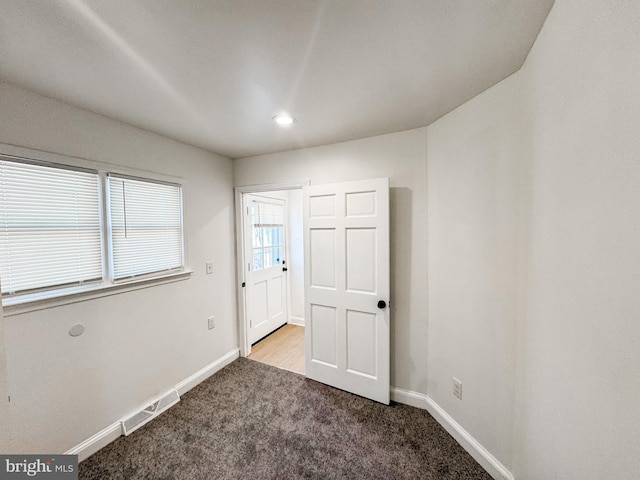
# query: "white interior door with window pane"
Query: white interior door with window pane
{"points": [[346, 227], [266, 288]]}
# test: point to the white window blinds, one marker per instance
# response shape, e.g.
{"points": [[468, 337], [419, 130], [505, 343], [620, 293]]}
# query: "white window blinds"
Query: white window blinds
{"points": [[146, 227], [50, 233]]}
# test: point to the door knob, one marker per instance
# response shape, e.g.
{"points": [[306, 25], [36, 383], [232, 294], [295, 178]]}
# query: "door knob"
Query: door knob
{"points": [[382, 304], [284, 269]]}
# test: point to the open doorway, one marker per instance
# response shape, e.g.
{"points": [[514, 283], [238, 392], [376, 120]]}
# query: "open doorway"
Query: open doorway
{"points": [[346, 283], [272, 270]]}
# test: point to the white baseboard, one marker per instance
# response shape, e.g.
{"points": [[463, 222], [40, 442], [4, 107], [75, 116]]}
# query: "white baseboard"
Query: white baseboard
{"points": [[204, 373], [107, 435], [296, 321], [92, 444], [407, 397], [480, 454]]}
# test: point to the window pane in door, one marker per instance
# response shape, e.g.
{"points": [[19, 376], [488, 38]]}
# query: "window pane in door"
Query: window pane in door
{"points": [[258, 263], [267, 234]]}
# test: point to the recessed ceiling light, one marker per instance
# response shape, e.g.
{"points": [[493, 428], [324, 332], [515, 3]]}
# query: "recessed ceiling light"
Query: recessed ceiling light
{"points": [[284, 119]]}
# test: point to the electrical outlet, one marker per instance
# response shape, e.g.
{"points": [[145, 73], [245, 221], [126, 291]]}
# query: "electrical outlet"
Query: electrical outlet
{"points": [[209, 266], [212, 322], [457, 388]]}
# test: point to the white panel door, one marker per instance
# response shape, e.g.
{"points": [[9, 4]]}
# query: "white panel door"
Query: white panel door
{"points": [[264, 229], [346, 227]]}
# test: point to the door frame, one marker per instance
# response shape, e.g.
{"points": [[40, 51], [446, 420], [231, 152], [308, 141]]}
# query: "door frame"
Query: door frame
{"points": [[243, 330]]}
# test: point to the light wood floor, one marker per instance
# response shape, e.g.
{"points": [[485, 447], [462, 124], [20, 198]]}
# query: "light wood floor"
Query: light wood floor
{"points": [[283, 349]]}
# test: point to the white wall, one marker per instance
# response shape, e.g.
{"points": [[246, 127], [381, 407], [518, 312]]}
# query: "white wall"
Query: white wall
{"points": [[474, 168], [137, 344], [579, 381], [401, 157], [534, 257]]}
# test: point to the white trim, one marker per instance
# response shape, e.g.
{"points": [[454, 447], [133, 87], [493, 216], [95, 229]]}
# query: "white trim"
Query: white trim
{"points": [[407, 397], [480, 454], [243, 335], [74, 296], [271, 187], [92, 444], [204, 373], [107, 435], [296, 321], [490, 463]]}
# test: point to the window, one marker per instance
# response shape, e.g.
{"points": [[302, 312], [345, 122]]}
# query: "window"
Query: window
{"points": [[66, 229], [267, 220], [49, 228], [146, 227]]}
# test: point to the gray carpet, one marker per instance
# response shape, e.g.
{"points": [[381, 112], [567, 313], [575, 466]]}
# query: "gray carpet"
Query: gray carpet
{"points": [[253, 421]]}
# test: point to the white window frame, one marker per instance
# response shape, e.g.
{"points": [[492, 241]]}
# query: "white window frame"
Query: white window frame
{"points": [[18, 304]]}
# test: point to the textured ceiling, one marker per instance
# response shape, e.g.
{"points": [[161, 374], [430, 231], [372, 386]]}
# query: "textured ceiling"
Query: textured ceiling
{"points": [[213, 73]]}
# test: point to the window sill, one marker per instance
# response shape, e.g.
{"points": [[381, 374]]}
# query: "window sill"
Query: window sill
{"points": [[19, 306]]}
